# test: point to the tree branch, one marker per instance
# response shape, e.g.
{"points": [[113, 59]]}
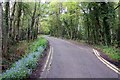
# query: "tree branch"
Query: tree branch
{"points": [[117, 7]]}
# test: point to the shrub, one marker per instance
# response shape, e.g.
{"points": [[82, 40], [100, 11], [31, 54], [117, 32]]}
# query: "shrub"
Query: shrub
{"points": [[16, 73], [40, 49], [112, 52], [38, 43]]}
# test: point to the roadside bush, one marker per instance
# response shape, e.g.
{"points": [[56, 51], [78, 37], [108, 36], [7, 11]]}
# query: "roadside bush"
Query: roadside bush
{"points": [[40, 49], [23, 67], [39, 43], [112, 52], [16, 73]]}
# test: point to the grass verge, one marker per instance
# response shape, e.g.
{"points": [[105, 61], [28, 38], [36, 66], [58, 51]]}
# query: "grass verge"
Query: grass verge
{"points": [[113, 53]]}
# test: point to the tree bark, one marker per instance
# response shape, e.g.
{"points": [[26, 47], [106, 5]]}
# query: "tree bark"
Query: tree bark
{"points": [[32, 23], [1, 21], [106, 25], [5, 29], [118, 32], [11, 29], [18, 21]]}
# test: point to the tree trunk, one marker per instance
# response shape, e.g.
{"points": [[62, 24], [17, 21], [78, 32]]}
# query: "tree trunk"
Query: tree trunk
{"points": [[18, 21], [106, 25], [5, 29], [1, 21], [118, 32], [11, 30], [32, 23]]}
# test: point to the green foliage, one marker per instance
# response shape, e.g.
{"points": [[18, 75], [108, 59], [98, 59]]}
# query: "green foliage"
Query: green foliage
{"points": [[16, 73], [23, 67], [39, 42], [112, 52], [45, 27], [93, 22]]}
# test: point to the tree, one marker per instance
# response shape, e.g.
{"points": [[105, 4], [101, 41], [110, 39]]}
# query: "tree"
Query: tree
{"points": [[1, 31], [6, 28], [19, 10], [118, 31], [11, 29]]}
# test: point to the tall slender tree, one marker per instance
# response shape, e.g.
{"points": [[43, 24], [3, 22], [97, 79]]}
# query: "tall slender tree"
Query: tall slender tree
{"points": [[1, 21], [6, 28], [118, 32]]}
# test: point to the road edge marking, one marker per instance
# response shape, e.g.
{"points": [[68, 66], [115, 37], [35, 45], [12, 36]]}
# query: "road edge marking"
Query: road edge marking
{"points": [[108, 64], [50, 61], [47, 63], [48, 57]]}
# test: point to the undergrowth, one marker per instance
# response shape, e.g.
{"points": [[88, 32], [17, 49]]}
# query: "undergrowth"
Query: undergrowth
{"points": [[22, 68], [112, 52]]}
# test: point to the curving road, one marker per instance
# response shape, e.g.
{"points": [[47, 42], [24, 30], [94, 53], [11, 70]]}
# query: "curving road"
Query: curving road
{"points": [[73, 61]]}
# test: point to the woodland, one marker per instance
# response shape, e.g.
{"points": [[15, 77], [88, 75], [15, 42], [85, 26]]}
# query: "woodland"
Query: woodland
{"points": [[95, 23]]}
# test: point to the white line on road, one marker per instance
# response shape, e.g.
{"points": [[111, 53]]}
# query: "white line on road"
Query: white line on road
{"points": [[108, 64], [47, 59], [49, 65]]}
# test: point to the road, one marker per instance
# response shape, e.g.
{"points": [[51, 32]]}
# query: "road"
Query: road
{"points": [[74, 61]]}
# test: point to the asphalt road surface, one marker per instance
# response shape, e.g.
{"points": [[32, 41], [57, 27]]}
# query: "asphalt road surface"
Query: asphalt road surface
{"points": [[73, 61]]}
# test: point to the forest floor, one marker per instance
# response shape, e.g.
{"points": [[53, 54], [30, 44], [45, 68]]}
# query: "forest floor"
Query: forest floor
{"points": [[15, 52]]}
